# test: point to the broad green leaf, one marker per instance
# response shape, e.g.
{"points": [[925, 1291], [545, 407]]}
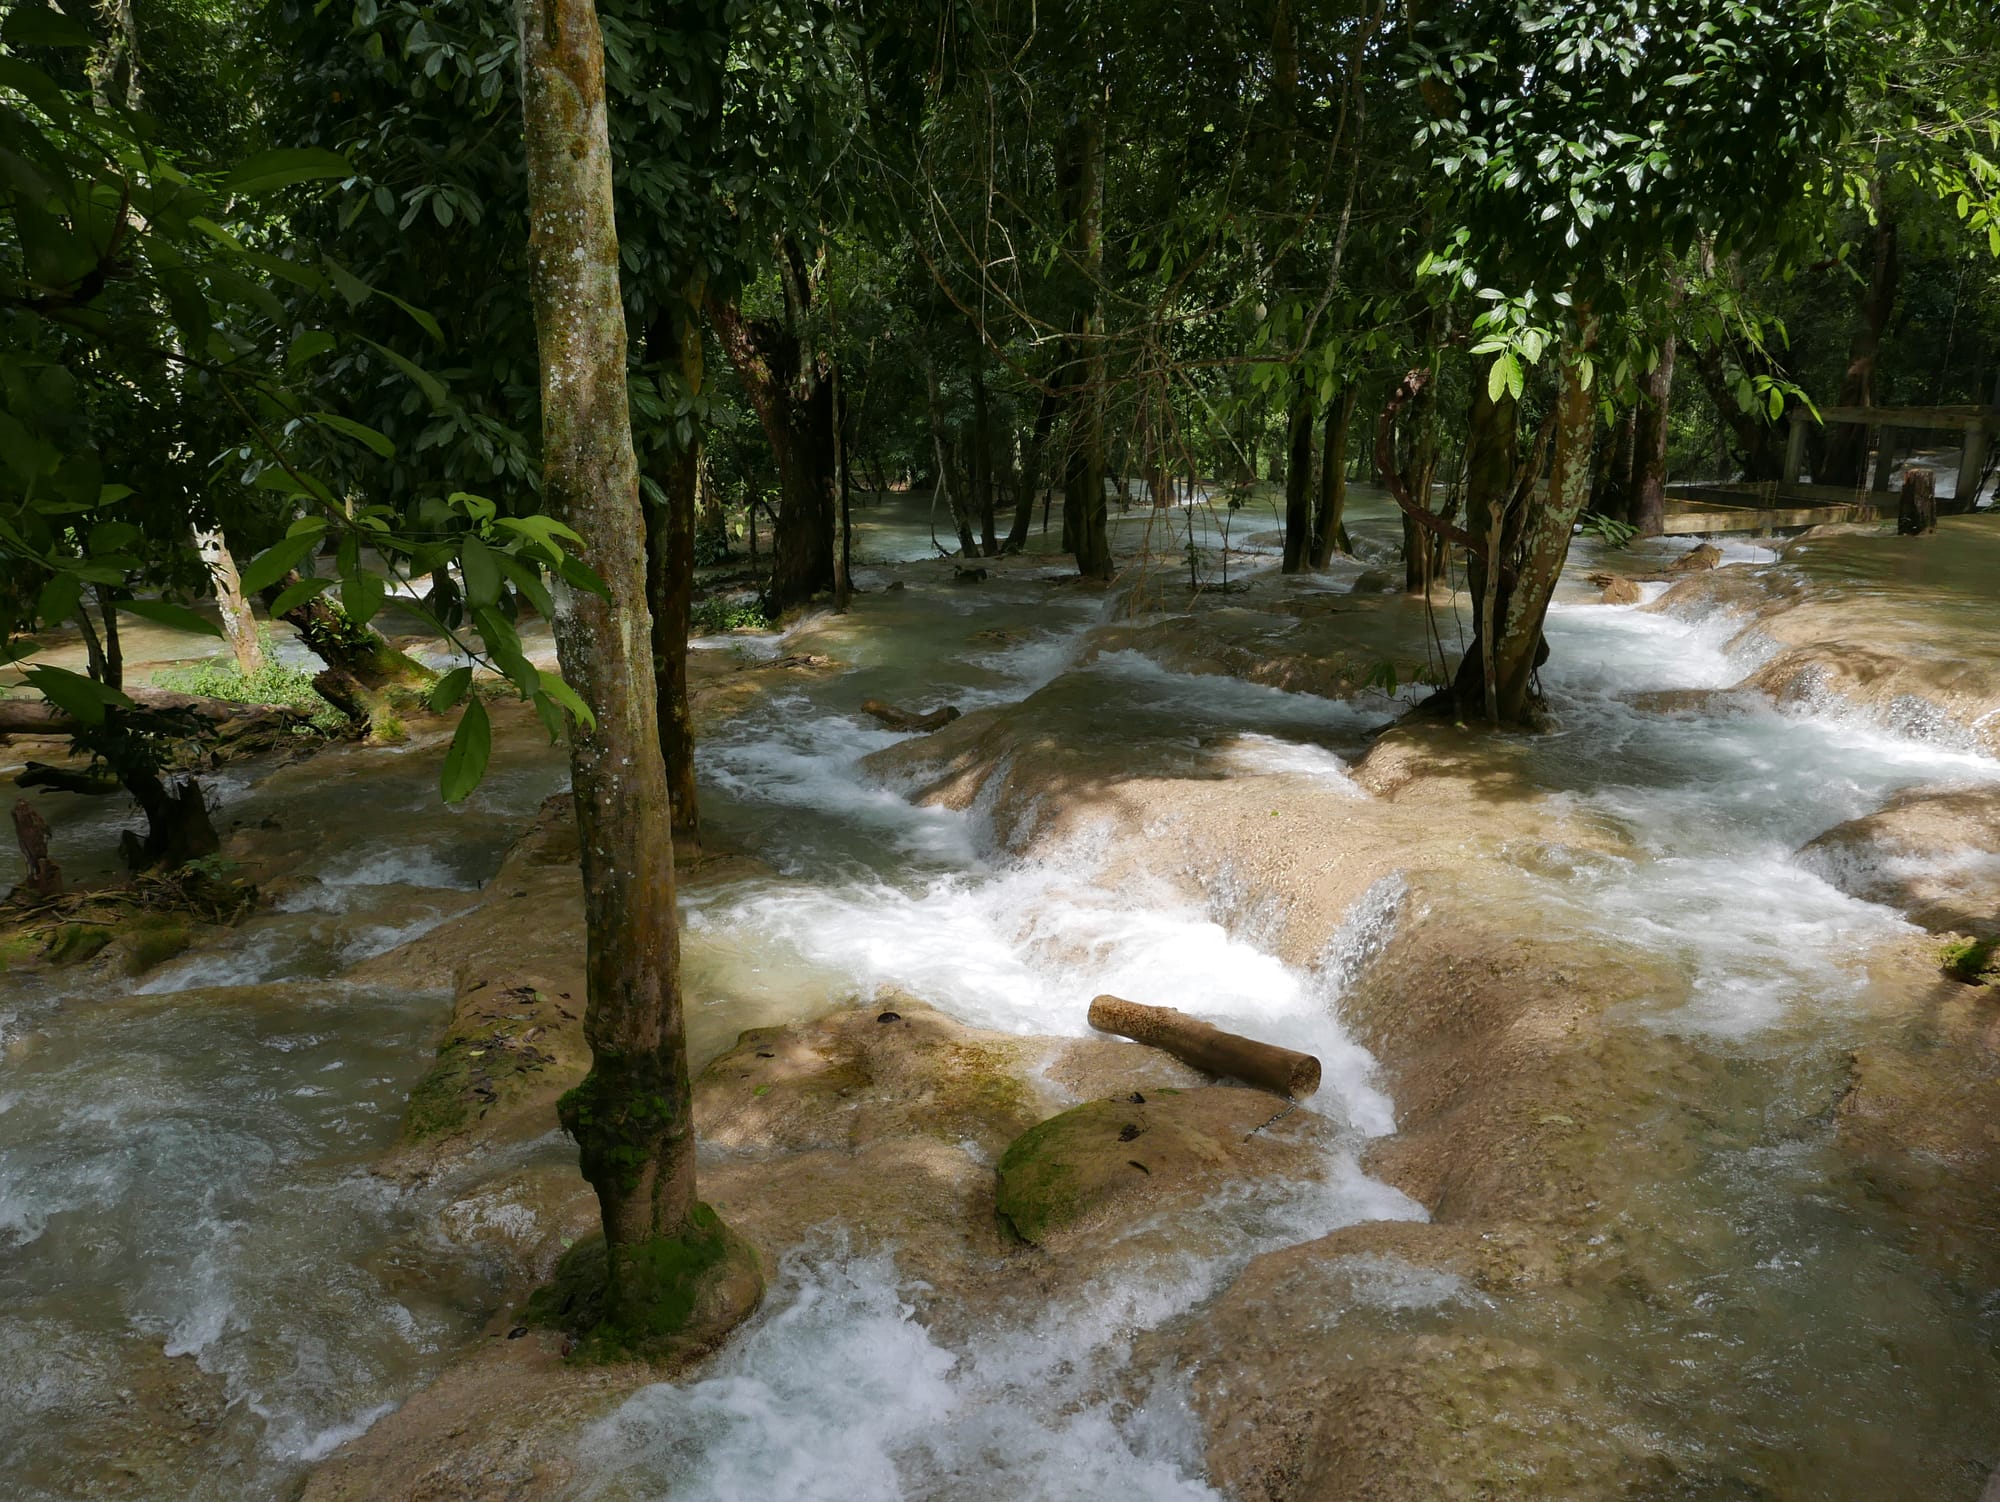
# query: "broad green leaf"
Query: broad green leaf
{"points": [[284, 167], [292, 596], [481, 570], [45, 26], [471, 746], [359, 432], [308, 344], [563, 694], [361, 595], [175, 617], [277, 561], [82, 698], [449, 689], [430, 385]]}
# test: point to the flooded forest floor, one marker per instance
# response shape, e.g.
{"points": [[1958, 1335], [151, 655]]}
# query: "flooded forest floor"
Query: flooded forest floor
{"points": [[1656, 1156]]}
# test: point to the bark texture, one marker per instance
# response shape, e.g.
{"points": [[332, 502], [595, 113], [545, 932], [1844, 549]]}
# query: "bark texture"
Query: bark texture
{"points": [[795, 406], [675, 340], [238, 624], [1649, 447], [1208, 1048], [1298, 485], [1329, 520], [631, 1116]]}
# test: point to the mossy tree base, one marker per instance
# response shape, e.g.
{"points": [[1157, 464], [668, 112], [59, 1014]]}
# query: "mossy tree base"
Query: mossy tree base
{"points": [[673, 1298]]}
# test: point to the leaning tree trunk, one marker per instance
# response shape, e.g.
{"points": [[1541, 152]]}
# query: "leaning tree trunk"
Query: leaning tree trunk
{"points": [[1298, 484], [238, 624], [631, 1116], [1649, 447], [1550, 520], [674, 339], [360, 667], [1329, 521]]}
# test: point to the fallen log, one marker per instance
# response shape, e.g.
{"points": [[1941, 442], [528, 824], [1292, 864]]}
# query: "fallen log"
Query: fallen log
{"points": [[903, 719], [23, 716], [1207, 1048]]}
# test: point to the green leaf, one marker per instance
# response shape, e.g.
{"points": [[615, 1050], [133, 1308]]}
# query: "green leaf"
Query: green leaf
{"points": [[359, 432], [481, 570], [175, 617], [346, 283], [277, 561], [430, 385], [563, 694], [308, 344], [82, 698], [1496, 378], [284, 167], [59, 599], [471, 746], [45, 26], [449, 689], [361, 596], [292, 596]]}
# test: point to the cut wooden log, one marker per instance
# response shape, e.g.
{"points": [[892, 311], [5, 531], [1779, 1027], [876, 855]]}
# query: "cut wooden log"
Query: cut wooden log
{"points": [[24, 716], [1208, 1048], [903, 719]]}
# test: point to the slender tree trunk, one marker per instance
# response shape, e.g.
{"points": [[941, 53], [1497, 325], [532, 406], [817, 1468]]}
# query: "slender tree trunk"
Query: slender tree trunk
{"points": [[1298, 484], [795, 407], [1031, 475], [1845, 459], [1492, 474], [982, 456], [238, 624], [1649, 460], [1329, 525], [1758, 444], [1518, 646], [843, 556], [1085, 521], [673, 340], [632, 1115]]}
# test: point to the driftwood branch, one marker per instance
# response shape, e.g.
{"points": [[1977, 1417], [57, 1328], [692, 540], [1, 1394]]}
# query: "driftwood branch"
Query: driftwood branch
{"points": [[1209, 1049], [38, 717]]}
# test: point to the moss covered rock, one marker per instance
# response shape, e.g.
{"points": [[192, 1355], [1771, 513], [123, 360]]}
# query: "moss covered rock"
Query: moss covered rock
{"points": [[1110, 1163]]}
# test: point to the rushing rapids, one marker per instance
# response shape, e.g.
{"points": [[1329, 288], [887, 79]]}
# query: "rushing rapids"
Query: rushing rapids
{"points": [[1584, 1212]]}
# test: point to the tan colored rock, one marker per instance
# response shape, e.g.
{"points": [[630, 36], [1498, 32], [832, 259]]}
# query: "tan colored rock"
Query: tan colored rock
{"points": [[1621, 591], [1704, 556], [1933, 853]]}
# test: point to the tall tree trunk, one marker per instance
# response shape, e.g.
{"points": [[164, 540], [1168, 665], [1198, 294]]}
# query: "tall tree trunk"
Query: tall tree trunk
{"points": [[1329, 523], [1492, 475], [1085, 524], [631, 1116], [238, 624], [1845, 459], [795, 406], [1298, 484], [1518, 645], [843, 553], [981, 464], [1649, 459], [1031, 474], [951, 482], [673, 341]]}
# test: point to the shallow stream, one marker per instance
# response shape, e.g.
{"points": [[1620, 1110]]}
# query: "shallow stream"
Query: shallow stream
{"points": [[190, 1244]]}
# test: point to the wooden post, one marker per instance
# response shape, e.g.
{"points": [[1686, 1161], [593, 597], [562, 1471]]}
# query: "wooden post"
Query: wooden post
{"points": [[1885, 458], [1971, 465], [1917, 512], [1795, 448], [44, 876], [1208, 1048]]}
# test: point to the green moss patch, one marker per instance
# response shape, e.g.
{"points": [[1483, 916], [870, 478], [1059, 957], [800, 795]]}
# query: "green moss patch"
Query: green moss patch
{"points": [[470, 1075], [1973, 961], [667, 1297]]}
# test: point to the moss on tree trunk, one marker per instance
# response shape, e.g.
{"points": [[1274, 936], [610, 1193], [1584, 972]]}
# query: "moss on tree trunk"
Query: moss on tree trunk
{"points": [[632, 1116]]}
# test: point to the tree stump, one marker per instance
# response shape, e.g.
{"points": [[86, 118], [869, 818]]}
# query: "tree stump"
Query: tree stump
{"points": [[1283, 1071], [44, 878], [1916, 512]]}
